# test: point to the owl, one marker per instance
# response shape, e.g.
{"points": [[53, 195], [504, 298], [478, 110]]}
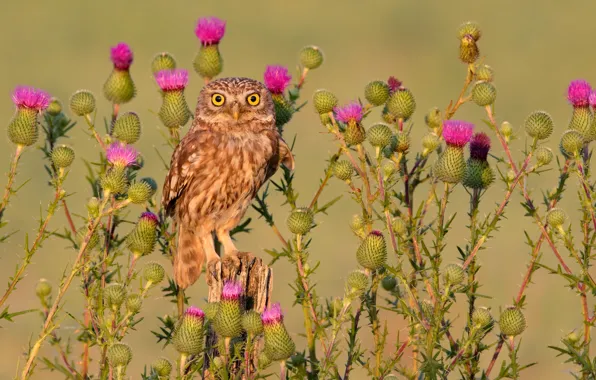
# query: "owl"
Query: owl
{"points": [[232, 148]]}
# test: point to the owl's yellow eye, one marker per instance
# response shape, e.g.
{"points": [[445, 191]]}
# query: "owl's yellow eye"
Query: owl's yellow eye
{"points": [[253, 99], [218, 100]]}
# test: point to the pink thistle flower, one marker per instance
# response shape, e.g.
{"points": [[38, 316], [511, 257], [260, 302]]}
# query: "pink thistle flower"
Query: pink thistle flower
{"points": [[457, 132], [592, 99], [121, 155], [231, 291], [149, 217], [479, 146], [376, 233], [210, 30], [194, 312], [578, 93], [172, 80], [121, 56], [272, 315], [351, 112], [394, 84], [30, 97], [277, 78]]}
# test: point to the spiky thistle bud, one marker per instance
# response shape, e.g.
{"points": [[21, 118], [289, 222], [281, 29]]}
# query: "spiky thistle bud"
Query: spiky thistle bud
{"points": [[571, 143], [134, 302], [211, 310], [379, 135], [469, 33], [162, 367], [351, 114], [388, 117], [43, 288], [119, 88], [430, 143], [62, 156], [163, 61], [324, 101], [311, 57], [454, 274], [114, 181], [402, 143], [127, 128], [399, 227], [372, 252], [300, 221], [357, 223], [208, 63], [512, 321], [484, 73], [433, 118], [484, 93], [478, 173], [356, 282], [143, 237], [389, 168], [82, 103], [539, 125], [389, 283], [264, 361], [450, 167], [174, 111], [376, 92], [189, 334], [402, 104], [154, 272], [23, 129], [93, 205], [140, 192], [506, 130], [578, 95], [228, 320], [251, 323], [55, 107], [115, 295], [482, 318], [119, 355], [556, 217], [278, 343], [93, 239], [469, 28], [544, 156]]}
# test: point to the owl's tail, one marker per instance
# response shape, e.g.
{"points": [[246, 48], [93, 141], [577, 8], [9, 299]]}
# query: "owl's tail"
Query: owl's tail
{"points": [[189, 258]]}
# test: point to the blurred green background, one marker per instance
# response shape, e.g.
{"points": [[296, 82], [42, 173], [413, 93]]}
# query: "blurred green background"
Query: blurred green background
{"points": [[535, 49]]}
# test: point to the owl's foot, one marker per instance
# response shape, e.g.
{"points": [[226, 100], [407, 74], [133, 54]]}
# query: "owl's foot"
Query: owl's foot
{"points": [[231, 259], [212, 266]]}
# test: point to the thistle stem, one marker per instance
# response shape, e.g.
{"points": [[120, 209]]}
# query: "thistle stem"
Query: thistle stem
{"points": [[11, 176]]}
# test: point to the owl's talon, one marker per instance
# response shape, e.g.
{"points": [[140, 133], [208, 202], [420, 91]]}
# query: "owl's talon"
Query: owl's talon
{"points": [[212, 267], [232, 257]]}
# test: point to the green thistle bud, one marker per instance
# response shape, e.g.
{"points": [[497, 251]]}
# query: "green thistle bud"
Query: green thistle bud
{"points": [[143, 237], [119, 87], [572, 142], [539, 125], [152, 184], [372, 253], [481, 317], [62, 156], [354, 134], [454, 274], [264, 361], [162, 367], [174, 111], [556, 217], [119, 355], [433, 118], [512, 321], [127, 128], [403, 142], [389, 169], [211, 310], [388, 117], [154, 272], [115, 181], [163, 61], [469, 28], [93, 207], [430, 143], [389, 283], [478, 174], [450, 167], [115, 295], [189, 334], [400, 227], [324, 101], [343, 170], [311, 57], [402, 104], [300, 221], [376, 92], [23, 129], [357, 282], [356, 223], [140, 192], [283, 110], [379, 135], [325, 119], [484, 73], [506, 130], [544, 155], [54, 108], [134, 302], [428, 309], [208, 63], [93, 239], [228, 320], [484, 93], [43, 288], [468, 50], [251, 323], [82, 103], [572, 338], [581, 121], [278, 343]]}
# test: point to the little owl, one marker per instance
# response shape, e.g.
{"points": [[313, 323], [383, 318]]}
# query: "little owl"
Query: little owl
{"points": [[232, 148]]}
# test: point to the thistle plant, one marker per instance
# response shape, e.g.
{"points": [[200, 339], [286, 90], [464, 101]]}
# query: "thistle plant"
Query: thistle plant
{"points": [[400, 187]]}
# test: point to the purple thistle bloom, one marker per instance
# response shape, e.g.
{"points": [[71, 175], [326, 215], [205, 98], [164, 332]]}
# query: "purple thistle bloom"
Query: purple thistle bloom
{"points": [[376, 233], [194, 312], [210, 30], [272, 315], [277, 78], [30, 97], [172, 80], [121, 155], [351, 112], [479, 146], [394, 84], [579, 92], [457, 132], [149, 217], [592, 99], [231, 290], [121, 56]]}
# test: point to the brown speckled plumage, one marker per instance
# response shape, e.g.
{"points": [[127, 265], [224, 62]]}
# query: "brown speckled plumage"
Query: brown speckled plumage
{"points": [[217, 169]]}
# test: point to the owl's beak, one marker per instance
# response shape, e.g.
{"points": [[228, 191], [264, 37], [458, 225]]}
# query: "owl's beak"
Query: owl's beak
{"points": [[236, 111]]}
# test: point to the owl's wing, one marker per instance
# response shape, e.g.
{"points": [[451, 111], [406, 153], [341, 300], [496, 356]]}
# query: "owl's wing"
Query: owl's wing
{"points": [[285, 155]]}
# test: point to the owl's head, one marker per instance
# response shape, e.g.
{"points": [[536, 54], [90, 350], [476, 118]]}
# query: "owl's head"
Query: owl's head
{"points": [[235, 103]]}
